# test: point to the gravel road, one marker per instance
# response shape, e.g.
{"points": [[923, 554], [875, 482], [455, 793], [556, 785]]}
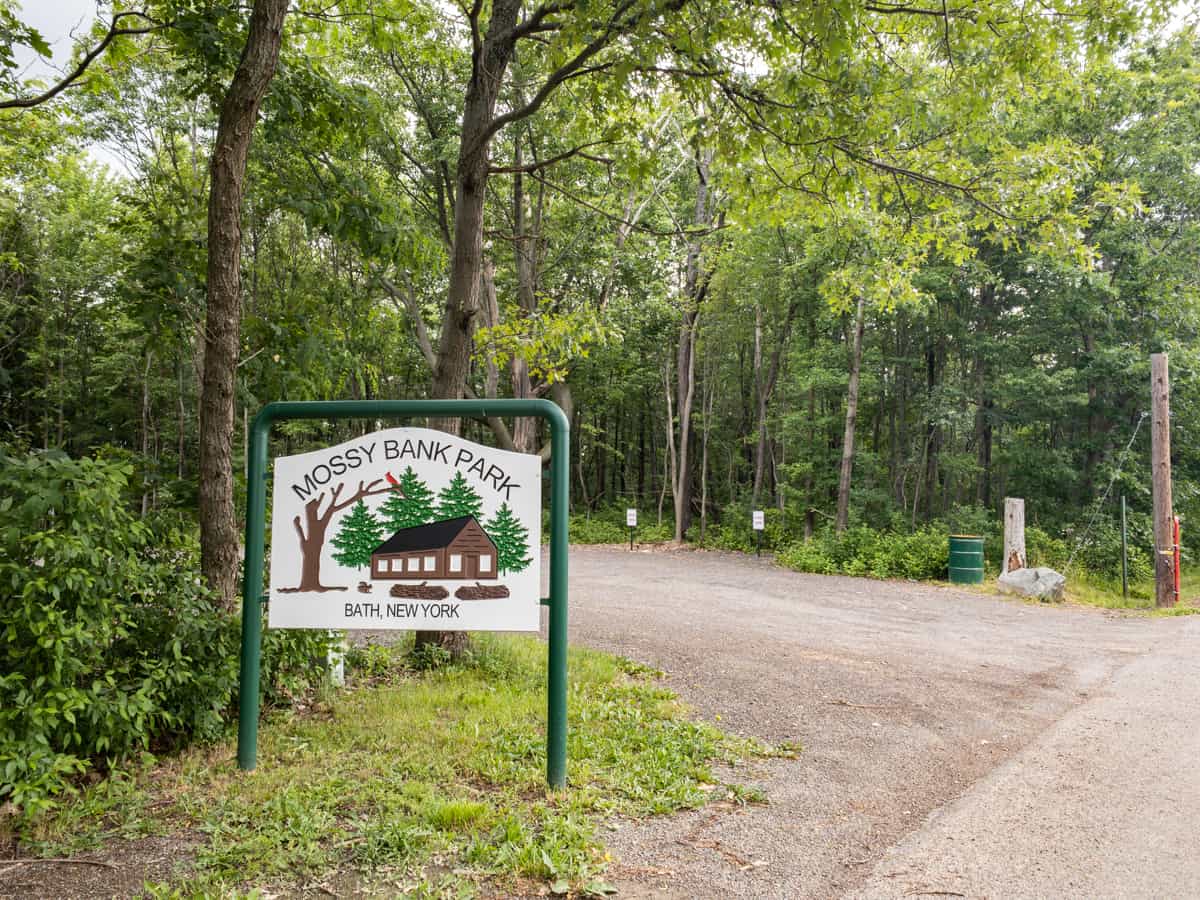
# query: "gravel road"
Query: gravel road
{"points": [[955, 743]]}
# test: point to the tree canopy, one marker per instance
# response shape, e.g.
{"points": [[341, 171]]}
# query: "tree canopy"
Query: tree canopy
{"points": [[859, 261]]}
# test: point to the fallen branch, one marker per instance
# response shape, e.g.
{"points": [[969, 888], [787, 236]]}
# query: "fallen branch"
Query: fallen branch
{"points": [[840, 702], [73, 862]]}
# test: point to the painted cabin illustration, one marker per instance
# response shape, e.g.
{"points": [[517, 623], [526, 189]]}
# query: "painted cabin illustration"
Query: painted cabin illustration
{"points": [[454, 548]]}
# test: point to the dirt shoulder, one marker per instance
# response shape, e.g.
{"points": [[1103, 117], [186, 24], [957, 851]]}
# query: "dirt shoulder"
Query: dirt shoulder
{"points": [[902, 695]]}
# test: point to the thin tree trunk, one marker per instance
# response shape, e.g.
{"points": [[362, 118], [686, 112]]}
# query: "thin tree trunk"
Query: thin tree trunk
{"points": [[843, 499], [146, 429], [694, 289], [239, 111], [706, 404]]}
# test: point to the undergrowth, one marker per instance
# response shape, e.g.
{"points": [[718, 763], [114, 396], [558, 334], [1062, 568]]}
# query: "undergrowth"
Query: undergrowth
{"points": [[408, 771]]}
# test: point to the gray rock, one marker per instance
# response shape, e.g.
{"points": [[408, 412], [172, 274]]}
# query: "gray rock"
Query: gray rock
{"points": [[1040, 582]]}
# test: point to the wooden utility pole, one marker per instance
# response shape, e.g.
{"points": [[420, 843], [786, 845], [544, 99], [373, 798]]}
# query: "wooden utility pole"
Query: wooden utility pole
{"points": [[1160, 462], [1014, 535]]}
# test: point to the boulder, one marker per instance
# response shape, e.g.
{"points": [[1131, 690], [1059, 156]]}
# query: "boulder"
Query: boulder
{"points": [[1040, 582]]}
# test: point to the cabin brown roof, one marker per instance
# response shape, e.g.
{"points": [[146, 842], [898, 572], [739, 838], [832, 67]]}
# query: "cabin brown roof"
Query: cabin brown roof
{"points": [[433, 536]]}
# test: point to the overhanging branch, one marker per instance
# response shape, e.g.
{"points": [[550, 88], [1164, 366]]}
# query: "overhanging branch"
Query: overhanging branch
{"points": [[114, 31]]}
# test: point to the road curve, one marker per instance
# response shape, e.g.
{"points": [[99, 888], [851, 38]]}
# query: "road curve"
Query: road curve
{"points": [[955, 743]]}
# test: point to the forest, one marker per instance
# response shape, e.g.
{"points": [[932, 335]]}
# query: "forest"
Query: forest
{"points": [[869, 265]]}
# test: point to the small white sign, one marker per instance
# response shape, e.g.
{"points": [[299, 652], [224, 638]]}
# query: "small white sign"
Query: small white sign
{"points": [[631, 518], [759, 520], [407, 528]]}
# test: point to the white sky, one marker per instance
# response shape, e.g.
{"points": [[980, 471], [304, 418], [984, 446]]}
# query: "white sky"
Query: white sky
{"points": [[58, 20], [55, 19]]}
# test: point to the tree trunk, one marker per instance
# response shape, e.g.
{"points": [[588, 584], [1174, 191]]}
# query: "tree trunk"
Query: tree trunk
{"points": [[218, 527], [462, 296], [843, 499], [694, 290]]}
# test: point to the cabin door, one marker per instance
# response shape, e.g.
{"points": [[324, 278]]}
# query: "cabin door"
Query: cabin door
{"points": [[470, 565]]}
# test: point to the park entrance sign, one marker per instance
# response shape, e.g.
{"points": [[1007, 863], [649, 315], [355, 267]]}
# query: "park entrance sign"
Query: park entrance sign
{"points": [[406, 528]]}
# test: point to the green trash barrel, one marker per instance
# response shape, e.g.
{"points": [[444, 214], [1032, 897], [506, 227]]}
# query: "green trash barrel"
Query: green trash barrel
{"points": [[966, 559]]}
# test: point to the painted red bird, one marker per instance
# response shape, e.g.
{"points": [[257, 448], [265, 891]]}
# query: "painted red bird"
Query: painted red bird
{"points": [[391, 480]]}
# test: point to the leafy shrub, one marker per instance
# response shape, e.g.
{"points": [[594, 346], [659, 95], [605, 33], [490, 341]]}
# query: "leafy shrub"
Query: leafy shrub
{"points": [[607, 526], [110, 643], [920, 555], [736, 531]]}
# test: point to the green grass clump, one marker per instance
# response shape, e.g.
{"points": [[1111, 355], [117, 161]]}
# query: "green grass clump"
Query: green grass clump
{"points": [[410, 770]]}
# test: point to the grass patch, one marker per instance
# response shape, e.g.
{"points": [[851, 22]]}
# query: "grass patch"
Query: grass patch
{"points": [[1108, 595], [408, 773]]}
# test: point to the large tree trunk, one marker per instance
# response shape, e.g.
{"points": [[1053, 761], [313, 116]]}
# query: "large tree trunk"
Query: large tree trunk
{"points": [[462, 297], [843, 499], [218, 527]]}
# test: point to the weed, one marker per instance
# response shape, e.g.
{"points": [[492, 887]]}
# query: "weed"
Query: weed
{"points": [[742, 794]]}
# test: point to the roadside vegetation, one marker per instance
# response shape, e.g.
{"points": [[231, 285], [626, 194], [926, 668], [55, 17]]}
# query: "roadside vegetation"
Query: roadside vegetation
{"points": [[1092, 560], [419, 776]]}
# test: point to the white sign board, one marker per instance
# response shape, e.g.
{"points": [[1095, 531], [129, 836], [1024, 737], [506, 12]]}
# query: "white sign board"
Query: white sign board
{"points": [[758, 520], [631, 518], [407, 528]]}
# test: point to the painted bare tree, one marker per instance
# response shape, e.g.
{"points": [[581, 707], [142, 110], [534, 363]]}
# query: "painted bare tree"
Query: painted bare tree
{"points": [[316, 523]]}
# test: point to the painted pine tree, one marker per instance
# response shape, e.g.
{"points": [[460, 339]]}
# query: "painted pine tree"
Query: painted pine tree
{"points": [[511, 539], [409, 506], [358, 535], [458, 499]]}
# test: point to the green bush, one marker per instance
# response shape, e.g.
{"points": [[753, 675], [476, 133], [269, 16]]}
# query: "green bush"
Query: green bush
{"points": [[861, 550], [110, 644], [607, 526], [735, 531]]}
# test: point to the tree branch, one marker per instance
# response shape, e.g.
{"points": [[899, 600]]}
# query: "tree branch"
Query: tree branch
{"points": [[114, 31], [546, 163], [618, 23]]}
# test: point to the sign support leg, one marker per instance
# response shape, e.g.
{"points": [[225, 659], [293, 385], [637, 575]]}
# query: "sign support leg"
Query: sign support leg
{"points": [[556, 719], [252, 597]]}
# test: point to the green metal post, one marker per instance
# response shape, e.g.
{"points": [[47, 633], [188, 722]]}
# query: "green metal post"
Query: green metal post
{"points": [[1124, 554], [560, 445], [252, 586], [556, 718]]}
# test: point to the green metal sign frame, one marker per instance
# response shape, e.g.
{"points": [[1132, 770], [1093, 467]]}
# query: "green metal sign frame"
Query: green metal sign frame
{"points": [[256, 502]]}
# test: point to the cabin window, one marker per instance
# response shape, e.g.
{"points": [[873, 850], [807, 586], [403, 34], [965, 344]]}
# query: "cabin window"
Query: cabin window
{"points": [[414, 564], [430, 563], [485, 562], [381, 565], [455, 562]]}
